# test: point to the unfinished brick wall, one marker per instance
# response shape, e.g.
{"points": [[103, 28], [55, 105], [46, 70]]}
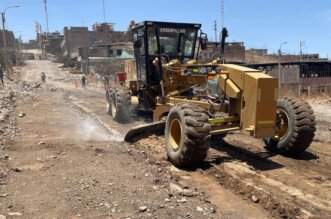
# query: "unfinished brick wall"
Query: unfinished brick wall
{"points": [[274, 58], [9, 39], [233, 52]]}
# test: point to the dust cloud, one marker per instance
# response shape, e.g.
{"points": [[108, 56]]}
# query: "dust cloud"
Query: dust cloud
{"points": [[89, 130]]}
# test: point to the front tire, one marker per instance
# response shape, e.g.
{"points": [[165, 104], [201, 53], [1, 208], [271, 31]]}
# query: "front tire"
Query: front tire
{"points": [[295, 124], [187, 135], [121, 105]]}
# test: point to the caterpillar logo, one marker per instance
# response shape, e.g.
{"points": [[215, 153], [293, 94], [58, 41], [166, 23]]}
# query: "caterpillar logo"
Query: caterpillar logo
{"points": [[172, 30]]}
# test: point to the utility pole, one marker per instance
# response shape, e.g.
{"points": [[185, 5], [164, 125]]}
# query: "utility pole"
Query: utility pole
{"points": [[46, 13], [4, 39], [3, 15], [222, 13], [16, 46], [280, 78], [104, 11], [215, 29], [302, 44]]}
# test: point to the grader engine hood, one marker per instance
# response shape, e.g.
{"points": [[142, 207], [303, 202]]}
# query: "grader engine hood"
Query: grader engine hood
{"points": [[256, 97]]}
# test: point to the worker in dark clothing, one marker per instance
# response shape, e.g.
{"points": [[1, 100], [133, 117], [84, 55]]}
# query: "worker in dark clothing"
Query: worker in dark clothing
{"points": [[83, 81], [106, 82], [43, 77], [1, 75]]}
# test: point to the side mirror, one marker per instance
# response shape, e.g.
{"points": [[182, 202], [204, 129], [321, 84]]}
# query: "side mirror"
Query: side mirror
{"points": [[203, 41]]}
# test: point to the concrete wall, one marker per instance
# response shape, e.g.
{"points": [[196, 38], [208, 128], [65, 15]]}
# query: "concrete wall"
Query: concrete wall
{"points": [[103, 66], [289, 74]]}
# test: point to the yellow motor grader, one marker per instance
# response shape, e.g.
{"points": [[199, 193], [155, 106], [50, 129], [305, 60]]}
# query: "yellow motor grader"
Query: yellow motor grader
{"points": [[193, 101]]}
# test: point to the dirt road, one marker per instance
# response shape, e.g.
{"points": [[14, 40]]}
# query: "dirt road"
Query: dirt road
{"points": [[70, 162]]}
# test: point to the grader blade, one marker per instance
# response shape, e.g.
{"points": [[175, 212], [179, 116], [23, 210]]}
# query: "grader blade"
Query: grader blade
{"points": [[145, 130]]}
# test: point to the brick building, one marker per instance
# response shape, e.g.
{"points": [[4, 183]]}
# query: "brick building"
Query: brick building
{"points": [[10, 39], [80, 37], [106, 58], [52, 43], [314, 76], [261, 56], [74, 38], [233, 52]]}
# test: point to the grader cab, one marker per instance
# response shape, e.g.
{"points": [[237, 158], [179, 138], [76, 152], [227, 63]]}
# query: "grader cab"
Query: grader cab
{"points": [[193, 101]]}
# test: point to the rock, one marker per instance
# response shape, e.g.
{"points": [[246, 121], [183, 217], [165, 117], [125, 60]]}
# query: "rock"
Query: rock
{"points": [[330, 129], [188, 193], [142, 208], [14, 214], [175, 189], [183, 200], [199, 209], [18, 169], [52, 89], [41, 143], [174, 169], [3, 217], [37, 85], [212, 210], [185, 177], [255, 199], [21, 114]]}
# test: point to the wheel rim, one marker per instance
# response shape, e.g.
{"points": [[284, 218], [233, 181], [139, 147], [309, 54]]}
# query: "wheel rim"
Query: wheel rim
{"points": [[175, 136], [114, 105], [282, 123]]}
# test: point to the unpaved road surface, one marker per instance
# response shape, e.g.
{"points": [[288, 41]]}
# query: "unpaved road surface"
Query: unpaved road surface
{"points": [[69, 161]]}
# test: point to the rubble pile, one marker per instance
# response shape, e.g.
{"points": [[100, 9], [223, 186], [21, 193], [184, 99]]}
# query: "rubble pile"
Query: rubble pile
{"points": [[9, 96]]}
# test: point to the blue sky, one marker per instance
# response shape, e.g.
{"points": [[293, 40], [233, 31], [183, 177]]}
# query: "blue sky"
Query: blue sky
{"points": [[259, 23]]}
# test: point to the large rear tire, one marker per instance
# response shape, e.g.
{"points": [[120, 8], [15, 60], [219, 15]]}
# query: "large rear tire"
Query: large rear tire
{"points": [[121, 105], [187, 135], [295, 124]]}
